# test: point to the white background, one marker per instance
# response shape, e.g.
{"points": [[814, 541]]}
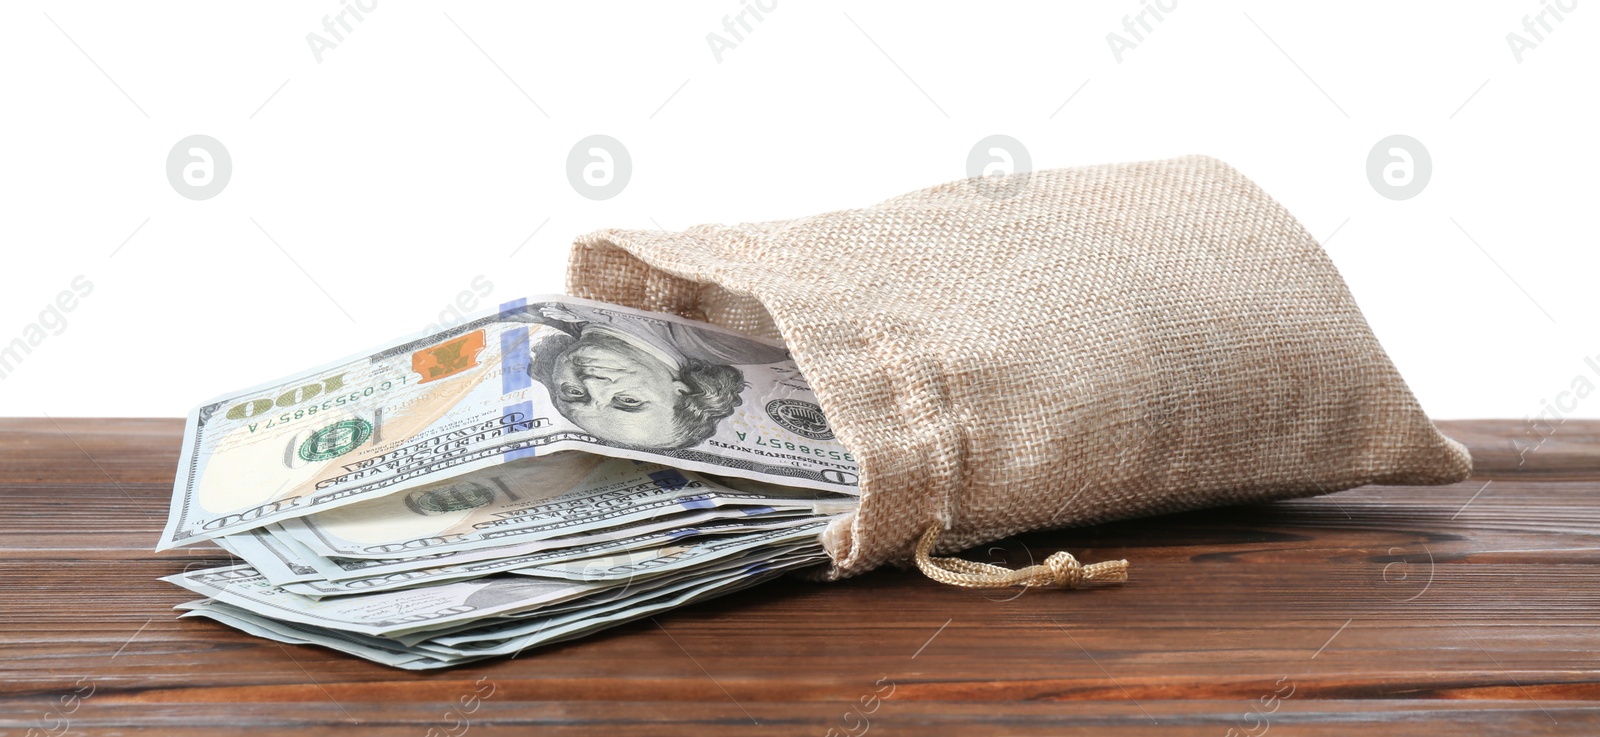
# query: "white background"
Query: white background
{"points": [[414, 157]]}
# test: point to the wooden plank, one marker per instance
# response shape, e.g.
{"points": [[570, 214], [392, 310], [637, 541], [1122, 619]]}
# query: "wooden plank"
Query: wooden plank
{"points": [[1467, 607]]}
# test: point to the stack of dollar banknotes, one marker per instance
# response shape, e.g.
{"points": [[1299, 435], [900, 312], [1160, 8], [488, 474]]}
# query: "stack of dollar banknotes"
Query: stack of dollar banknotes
{"points": [[530, 475]]}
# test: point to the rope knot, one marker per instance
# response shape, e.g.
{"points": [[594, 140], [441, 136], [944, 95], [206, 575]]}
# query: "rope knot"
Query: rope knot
{"points": [[1065, 570], [1061, 570]]}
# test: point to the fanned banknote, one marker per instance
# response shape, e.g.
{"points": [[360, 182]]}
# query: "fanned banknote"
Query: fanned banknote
{"points": [[534, 377], [538, 473], [564, 495]]}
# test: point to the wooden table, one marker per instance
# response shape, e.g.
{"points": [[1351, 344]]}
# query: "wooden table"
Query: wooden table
{"points": [[1465, 609]]}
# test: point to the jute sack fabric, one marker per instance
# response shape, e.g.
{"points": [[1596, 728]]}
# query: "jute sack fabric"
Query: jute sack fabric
{"points": [[1054, 349]]}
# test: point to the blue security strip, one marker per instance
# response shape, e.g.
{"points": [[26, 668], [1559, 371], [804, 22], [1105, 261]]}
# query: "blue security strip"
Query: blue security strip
{"points": [[669, 479], [756, 511], [514, 360], [507, 309], [696, 502], [524, 412], [514, 356]]}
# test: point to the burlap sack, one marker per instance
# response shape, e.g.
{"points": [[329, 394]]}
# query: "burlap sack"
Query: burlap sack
{"points": [[1058, 349]]}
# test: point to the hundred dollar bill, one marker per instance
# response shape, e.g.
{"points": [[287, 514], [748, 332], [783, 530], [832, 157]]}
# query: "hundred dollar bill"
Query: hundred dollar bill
{"points": [[298, 634], [625, 593], [635, 595], [633, 564], [318, 587], [562, 495], [336, 568], [386, 613], [449, 642], [515, 636], [277, 562], [499, 635], [532, 378], [742, 565], [375, 649]]}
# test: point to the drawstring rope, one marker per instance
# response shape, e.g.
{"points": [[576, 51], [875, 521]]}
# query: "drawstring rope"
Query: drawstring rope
{"points": [[1060, 570]]}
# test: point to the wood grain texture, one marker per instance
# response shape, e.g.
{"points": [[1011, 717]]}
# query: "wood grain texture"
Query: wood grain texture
{"points": [[1460, 609]]}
